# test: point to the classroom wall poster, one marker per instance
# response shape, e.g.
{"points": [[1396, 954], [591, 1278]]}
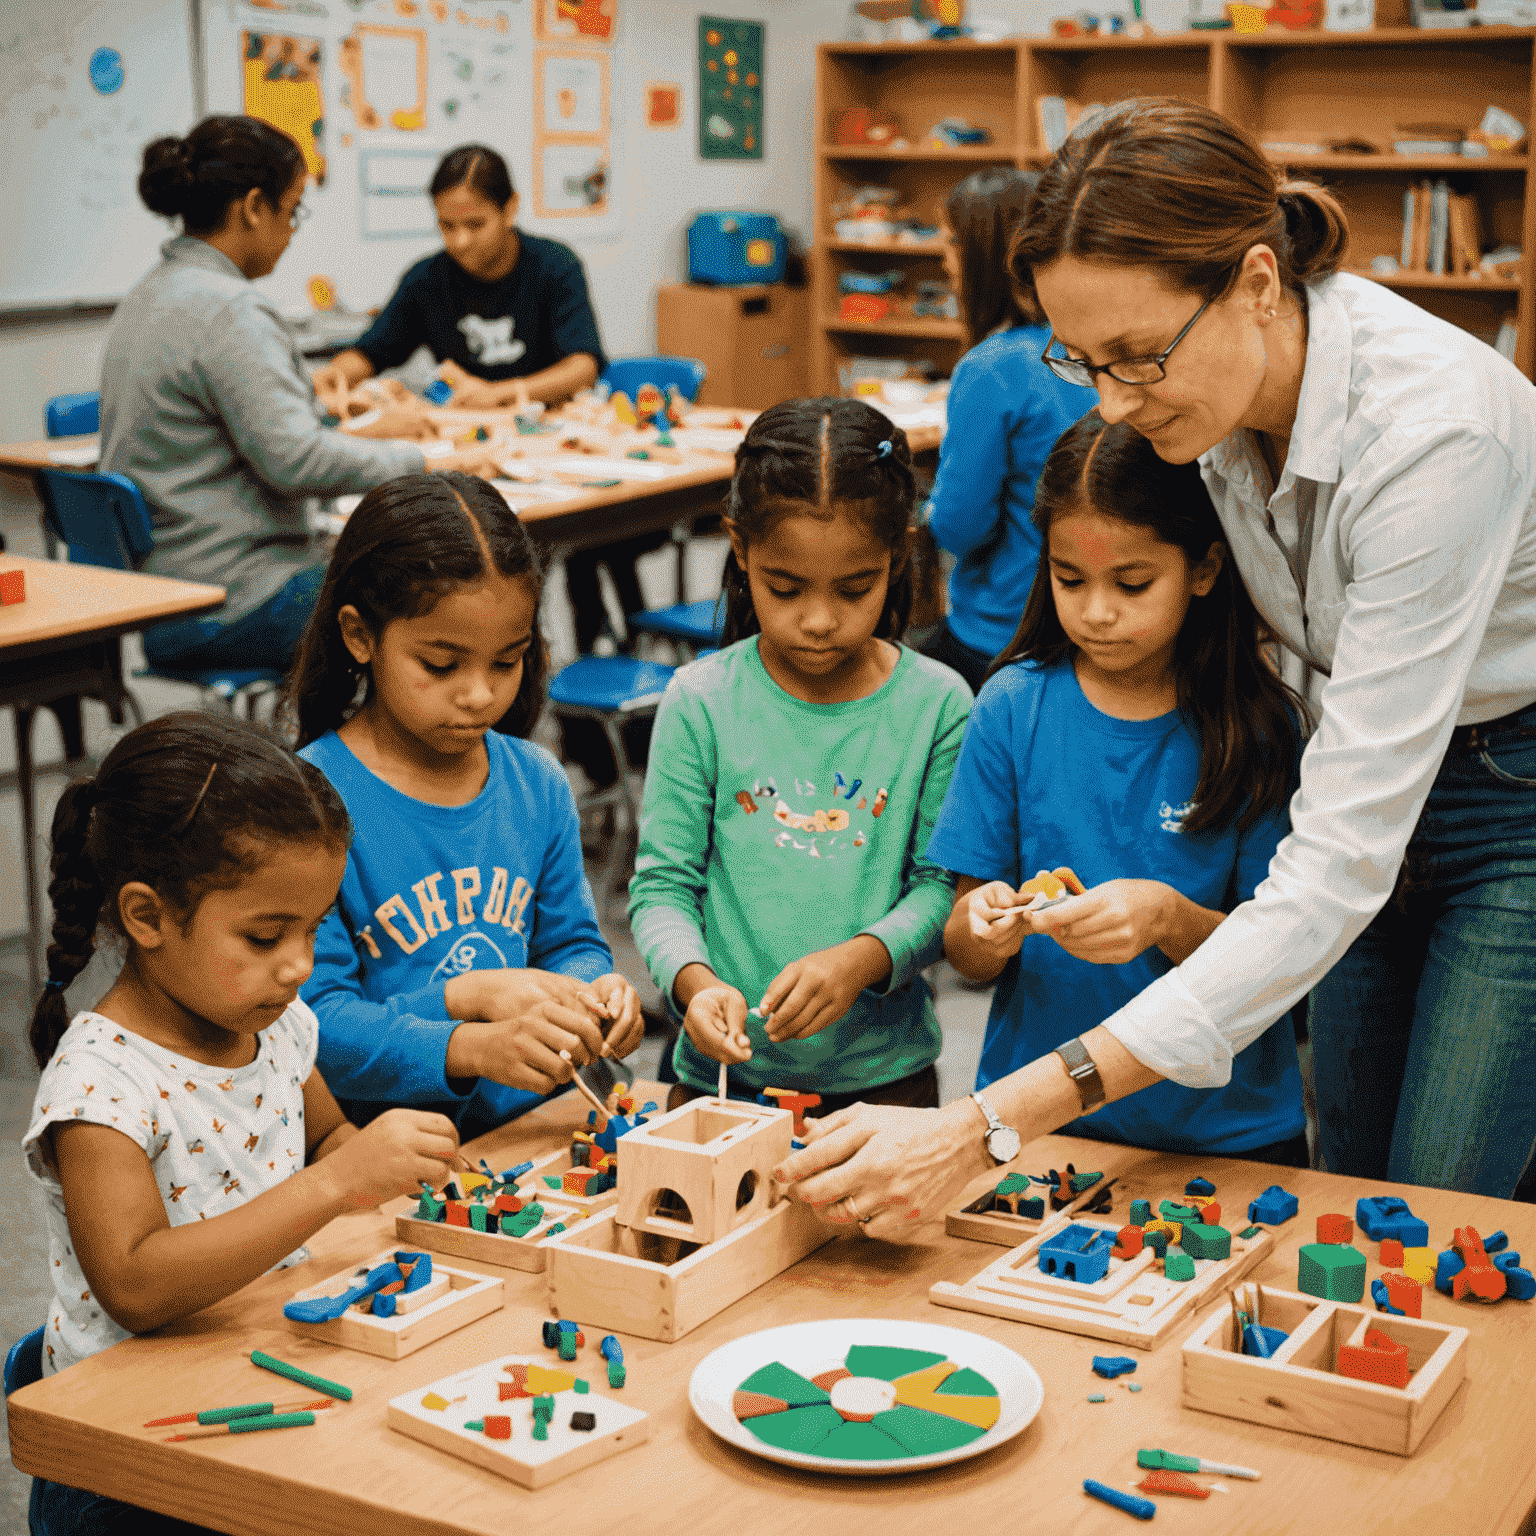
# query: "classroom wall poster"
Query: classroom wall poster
{"points": [[730, 89], [386, 70], [574, 21], [572, 170], [574, 90], [280, 77], [663, 104]]}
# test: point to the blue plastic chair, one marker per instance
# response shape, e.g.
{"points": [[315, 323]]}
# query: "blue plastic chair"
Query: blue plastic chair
{"points": [[73, 415], [689, 626], [24, 1362], [613, 691], [104, 521], [629, 373]]}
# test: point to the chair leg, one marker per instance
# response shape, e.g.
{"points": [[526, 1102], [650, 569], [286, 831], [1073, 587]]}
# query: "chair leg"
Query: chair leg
{"points": [[25, 793], [614, 865]]}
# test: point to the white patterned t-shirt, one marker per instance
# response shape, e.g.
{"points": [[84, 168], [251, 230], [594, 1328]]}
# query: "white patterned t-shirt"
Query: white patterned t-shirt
{"points": [[214, 1137]]}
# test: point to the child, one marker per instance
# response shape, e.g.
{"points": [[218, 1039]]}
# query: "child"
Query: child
{"points": [[183, 1138], [464, 954], [794, 778], [1133, 731]]}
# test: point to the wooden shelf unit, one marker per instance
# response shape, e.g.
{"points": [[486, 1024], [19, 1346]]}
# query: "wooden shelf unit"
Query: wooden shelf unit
{"points": [[1285, 87]]}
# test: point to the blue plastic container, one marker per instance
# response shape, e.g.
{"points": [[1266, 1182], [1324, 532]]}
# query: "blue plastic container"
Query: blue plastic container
{"points": [[734, 249]]}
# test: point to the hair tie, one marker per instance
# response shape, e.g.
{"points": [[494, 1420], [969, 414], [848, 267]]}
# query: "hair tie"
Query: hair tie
{"points": [[54, 986], [883, 448]]}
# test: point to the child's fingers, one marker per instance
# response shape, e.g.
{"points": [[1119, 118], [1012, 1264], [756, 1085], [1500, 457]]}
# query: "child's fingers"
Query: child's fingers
{"points": [[779, 988]]}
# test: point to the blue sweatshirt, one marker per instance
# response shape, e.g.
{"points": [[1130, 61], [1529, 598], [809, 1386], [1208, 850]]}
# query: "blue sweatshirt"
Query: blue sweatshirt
{"points": [[433, 891], [1006, 410]]}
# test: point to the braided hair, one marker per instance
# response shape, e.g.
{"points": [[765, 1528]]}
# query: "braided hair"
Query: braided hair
{"points": [[188, 803], [824, 458]]}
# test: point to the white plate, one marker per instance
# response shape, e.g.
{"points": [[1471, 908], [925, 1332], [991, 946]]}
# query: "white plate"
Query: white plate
{"points": [[811, 1348]]}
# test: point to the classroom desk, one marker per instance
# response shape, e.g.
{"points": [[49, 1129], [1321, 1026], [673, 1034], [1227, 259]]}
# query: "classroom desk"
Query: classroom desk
{"points": [[1474, 1474], [64, 640]]}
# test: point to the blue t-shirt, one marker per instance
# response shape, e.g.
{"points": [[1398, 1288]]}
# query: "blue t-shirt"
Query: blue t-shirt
{"points": [[529, 320], [1045, 779], [1006, 410], [433, 891]]}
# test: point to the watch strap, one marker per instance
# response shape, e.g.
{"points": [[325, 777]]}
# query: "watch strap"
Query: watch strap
{"points": [[1083, 1071]]}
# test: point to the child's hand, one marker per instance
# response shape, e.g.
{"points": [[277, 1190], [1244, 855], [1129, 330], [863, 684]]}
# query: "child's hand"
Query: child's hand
{"points": [[619, 1013], [716, 1022], [478, 395], [504, 994], [393, 1155], [994, 915], [811, 993], [1111, 924]]}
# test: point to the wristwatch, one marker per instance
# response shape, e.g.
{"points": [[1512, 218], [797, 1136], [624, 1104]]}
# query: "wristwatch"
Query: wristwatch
{"points": [[1002, 1141], [1083, 1071]]}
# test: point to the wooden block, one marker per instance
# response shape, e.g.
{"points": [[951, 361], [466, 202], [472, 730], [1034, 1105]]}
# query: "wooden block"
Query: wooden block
{"points": [[1133, 1304], [1405, 1292], [1419, 1264], [1300, 1387], [662, 1288], [13, 587], [530, 1462], [1391, 1252], [981, 1222], [455, 1297], [1335, 1229]]}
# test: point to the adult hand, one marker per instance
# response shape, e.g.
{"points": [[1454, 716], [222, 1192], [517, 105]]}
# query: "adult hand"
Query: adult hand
{"points": [[818, 989], [1112, 923], [619, 1012], [716, 1021], [393, 1155], [469, 461], [891, 1170], [331, 386], [398, 421], [524, 1052]]}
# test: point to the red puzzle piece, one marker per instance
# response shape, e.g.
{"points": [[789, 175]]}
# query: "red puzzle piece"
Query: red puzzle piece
{"points": [[1335, 1229], [1405, 1292], [1391, 1252], [1380, 1359]]}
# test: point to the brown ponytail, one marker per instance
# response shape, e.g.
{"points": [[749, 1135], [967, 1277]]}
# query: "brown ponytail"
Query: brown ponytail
{"points": [[1162, 183]]}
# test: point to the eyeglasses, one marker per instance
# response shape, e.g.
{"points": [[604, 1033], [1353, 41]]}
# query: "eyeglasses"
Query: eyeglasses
{"points": [[300, 213], [1131, 370]]}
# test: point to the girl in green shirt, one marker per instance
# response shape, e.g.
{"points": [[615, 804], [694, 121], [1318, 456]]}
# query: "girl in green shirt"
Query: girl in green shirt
{"points": [[780, 897]]}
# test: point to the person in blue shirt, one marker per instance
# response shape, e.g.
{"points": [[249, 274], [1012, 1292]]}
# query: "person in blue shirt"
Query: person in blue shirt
{"points": [[1133, 732], [508, 308], [463, 955], [1006, 408]]}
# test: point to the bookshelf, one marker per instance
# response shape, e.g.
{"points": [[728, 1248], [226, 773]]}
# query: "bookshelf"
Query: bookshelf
{"points": [[1291, 87]]}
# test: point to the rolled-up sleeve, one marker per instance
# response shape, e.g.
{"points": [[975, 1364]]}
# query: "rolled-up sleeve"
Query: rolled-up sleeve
{"points": [[1428, 536]]}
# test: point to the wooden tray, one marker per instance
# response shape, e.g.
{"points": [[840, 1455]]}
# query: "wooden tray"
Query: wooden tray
{"points": [[465, 1298], [1299, 1388], [1013, 1287], [1003, 1227]]}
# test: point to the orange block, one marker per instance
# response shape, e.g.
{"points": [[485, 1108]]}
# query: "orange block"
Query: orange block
{"points": [[498, 1426], [1128, 1243], [13, 587], [1392, 1252], [457, 1214], [1379, 1359], [1405, 1292], [1335, 1229]]}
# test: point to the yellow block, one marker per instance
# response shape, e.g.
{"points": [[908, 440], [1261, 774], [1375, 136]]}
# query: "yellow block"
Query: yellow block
{"points": [[541, 1379], [1174, 1229], [983, 1412], [432, 1400], [469, 1181], [921, 1384], [1419, 1264], [1247, 18]]}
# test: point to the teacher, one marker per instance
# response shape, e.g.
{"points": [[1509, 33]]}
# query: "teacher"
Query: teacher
{"points": [[1373, 468], [507, 309]]}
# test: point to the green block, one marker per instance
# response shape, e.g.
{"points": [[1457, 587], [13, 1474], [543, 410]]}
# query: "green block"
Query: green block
{"points": [[1013, 1184], [477, 1217], [553, 1180], [1334, 1271], [883, 1361], [922, 1432], [1171, 1211], [775, 1380], [1141, 1213], [540, 1430], [1200, 1241], [1158, 1243], [1179, 1266], [966, 1383], [429, 1209], [478, 1425], [1250, 1232], [615, 1373], [567, 1346], [797, 1429], [582, 1385], [544, 1406], [861, 1442], [1081, 1181]]}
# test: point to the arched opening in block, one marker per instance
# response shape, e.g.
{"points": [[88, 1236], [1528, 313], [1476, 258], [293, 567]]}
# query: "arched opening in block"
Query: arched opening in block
{"points": [[746, 1191], [670, 1206]]}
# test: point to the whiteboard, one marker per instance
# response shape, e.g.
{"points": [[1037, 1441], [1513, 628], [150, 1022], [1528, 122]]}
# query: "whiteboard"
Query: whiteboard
{"points": [[76, 232]]}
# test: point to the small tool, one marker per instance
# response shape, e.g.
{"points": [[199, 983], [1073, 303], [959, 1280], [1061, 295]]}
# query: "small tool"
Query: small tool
{"points": [[1177, 1463]]}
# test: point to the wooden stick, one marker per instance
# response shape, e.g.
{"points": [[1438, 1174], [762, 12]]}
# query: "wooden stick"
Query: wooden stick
{"points": [[245, 1426], [582, 1088], [724, 1074], [243, 1411]]}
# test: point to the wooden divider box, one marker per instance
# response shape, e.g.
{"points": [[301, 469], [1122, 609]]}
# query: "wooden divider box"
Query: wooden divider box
{"points": [[1299, 1388]]}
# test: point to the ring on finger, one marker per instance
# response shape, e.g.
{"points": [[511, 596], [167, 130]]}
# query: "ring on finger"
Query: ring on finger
{"points": [[863, 1221]]}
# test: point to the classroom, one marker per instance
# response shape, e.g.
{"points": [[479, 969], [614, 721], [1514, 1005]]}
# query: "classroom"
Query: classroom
{"points": [[767, 764]]}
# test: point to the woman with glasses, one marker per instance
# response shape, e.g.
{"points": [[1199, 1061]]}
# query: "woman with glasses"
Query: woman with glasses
{"points": [[207, 407], [1373, 468], [1008, 409]]}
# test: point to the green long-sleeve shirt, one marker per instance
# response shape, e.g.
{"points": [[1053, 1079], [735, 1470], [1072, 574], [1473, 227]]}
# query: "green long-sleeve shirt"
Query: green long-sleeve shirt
{"points": [[773, 828]]}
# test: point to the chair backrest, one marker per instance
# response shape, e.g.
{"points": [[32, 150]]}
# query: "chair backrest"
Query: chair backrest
{"points": [[629, 373], [101, 517], [73, 415], [24, 1362]]}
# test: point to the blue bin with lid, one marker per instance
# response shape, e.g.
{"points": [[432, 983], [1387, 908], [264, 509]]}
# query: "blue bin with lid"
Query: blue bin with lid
{"points": [[734, 249]]}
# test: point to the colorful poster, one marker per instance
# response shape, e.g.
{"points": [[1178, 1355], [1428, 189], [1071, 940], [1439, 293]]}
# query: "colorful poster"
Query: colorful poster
{"points": [[570, 180], [730, 89], [386, 70], [574, 90], [281, 77], [574, 21], [663, 104]]}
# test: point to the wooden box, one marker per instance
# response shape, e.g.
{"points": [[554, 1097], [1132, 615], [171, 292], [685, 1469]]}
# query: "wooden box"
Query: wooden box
{"points": [[421, 1318], [754, 341], [1299, 1388]]}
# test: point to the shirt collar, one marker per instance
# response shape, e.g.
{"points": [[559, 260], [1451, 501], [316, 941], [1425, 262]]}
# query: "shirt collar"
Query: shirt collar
{"points": [[198, 253]]}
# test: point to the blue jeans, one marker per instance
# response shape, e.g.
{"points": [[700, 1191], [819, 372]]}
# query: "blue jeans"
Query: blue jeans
{"points": [[1424, 1034], [55, 1510], [265, 637]]}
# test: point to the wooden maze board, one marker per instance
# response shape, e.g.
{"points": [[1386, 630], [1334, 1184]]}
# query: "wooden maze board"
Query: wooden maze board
{"points": [[1135, 1303], [472, 1394]]}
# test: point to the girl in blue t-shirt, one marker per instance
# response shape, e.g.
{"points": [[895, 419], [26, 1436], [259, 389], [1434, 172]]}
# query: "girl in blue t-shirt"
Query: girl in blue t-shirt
{"points": [[464, 954], [1134, 732]]}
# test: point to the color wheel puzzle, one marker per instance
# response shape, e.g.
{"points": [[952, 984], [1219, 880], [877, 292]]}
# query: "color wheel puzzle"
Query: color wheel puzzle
{"points": [[878, 1403]]}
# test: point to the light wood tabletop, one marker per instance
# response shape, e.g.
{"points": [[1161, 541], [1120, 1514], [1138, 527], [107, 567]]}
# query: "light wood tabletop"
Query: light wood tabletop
{"points": [[23, 458], [1474, 1474]]}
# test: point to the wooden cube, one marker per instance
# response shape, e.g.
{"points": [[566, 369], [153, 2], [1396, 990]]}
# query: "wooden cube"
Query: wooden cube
{"points": [[13, 587]]}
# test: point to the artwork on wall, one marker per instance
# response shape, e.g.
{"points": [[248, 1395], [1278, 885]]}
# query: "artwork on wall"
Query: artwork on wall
{"points": [[574, 21], [730, 89], [663, 104], [574, 90], [571, 165], [386, 70], [570, 179], [280, 78]]}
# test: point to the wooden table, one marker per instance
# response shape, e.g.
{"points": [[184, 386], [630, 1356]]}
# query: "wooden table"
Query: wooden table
{"points": [[1474, 1475], [63, 640]]}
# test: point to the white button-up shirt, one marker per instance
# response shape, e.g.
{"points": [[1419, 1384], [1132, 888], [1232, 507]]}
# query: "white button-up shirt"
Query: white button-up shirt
{"points": [[1397, 558]]}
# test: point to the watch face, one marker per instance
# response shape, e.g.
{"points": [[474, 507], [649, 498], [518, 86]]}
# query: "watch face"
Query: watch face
{"points": [[1004, 1143]]}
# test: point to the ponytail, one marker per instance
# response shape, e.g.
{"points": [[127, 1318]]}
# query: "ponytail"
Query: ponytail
{"points": [[1316, 229]]}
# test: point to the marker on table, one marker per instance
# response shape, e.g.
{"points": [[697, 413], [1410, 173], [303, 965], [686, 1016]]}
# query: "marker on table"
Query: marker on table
{"points": [[1143, 1509], [1176, 1463], [245, 1426], [241, 1411], [293, 1373]]}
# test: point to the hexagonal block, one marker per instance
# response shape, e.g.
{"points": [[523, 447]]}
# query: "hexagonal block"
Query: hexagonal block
{"points": [[1334, 1271]]}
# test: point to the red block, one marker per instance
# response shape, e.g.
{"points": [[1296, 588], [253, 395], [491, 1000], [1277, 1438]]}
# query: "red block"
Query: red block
{"points": [[508, 1205], [1405, 1292], [1335, 1229], [511, 1389], [457, 1214], [1391, 1252], [1128, 1243], [1379, 1359], [498, 1426], [1210, 1213], [13, 587], [575, 1180]]}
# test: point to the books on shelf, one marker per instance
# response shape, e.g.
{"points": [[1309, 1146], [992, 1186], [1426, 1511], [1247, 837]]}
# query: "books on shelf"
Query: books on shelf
{"points": [[1442, 232]]}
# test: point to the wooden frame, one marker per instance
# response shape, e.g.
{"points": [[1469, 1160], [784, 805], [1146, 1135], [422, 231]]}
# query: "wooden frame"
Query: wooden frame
{"points": [[1013, 1287], [1299, 1388], [420, 1319], [1003, 1227]]}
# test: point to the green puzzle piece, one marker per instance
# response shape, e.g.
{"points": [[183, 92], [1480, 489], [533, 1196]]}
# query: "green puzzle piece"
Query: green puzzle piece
{"points": [[967, 1383], [922, 1433], [796, 1429], [775, 1380], [887, 1363], [861, 1442]]}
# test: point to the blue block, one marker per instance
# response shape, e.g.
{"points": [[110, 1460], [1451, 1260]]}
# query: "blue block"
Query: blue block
{"points": [[565, 1325], [1506, 1261], [422, 1273], [1497, 1241], [1519, 1284], [1383, 1217], [1199, 1187], [611, 1349], [551, 1334], [1447, 1267], [1380, 1295], [1111, 1366], [1078, 1253], [512, 1175], [1274, 1206], [383, 1306]]}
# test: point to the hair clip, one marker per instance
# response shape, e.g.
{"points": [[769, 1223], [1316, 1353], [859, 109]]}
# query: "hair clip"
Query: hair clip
{"points": [[54, 986], [883, 448]]}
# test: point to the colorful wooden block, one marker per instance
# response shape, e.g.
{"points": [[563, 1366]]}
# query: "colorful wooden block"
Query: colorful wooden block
{"points": [[1391, 1253], [1334, 1271], [1335, 1229], [1387, 1216], [13, 587], [1128, 1243], [1274, 1206], [1419, 1264], [1179, 1266], [1405, 1293], [1141, 1212], [1376, 1358], [1199, 1186], [1077, 1252], [1200, 1240]]}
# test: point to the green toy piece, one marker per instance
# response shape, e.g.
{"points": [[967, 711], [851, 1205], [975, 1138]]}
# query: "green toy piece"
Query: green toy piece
{"points": [[1334, 1271], [1170, 1210], [1096, 1397], [860, 1442], [540, 1430], [1013, 1184], [544, 1406], [477, 1217], [775, 1380], [1179, 1266], [798, 1429], [1200, 1241], [880, 1361], [923, 1433], [966, 1383], [553, 1181], [1250, 1232], [582, 1384], [567, 1346], [615, 1373], [478, 1425]]}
